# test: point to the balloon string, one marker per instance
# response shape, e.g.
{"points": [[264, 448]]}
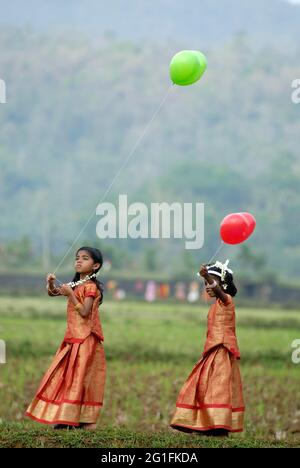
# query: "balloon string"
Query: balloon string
{"points": [[204, 294], [217, 251], [123, 165]]}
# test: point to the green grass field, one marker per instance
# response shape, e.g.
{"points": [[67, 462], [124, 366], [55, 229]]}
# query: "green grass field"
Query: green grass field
{"points": [[150, 350]]}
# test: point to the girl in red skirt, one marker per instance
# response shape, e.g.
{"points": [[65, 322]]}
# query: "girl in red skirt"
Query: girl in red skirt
{"points": [[211, 400], [71, 392]]}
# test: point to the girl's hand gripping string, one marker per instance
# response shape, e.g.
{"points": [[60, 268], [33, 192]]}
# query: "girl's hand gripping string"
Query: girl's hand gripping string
{"points": [[52, 289], [203, 271]]}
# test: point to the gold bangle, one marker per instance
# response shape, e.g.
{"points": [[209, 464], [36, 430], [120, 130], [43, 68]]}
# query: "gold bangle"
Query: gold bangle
{"points": [[78, 306]]}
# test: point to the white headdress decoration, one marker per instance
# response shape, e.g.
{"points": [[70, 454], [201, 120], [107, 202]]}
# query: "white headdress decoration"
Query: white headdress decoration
{"points": [[222, 266]]}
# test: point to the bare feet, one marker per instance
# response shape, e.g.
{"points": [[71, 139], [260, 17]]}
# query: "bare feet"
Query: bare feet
{"points": [[63, 426], [217, 432], [88, 426]]}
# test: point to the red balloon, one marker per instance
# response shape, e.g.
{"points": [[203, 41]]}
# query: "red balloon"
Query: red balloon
{"points": [[237, 227], [251, 222]]}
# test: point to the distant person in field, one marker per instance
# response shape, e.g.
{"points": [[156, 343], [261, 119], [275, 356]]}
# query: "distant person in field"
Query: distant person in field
{"points": [[211, 400], [71, 392]]}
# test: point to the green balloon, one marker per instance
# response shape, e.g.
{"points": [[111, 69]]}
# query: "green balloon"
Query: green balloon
{"points": [[187, 67]]}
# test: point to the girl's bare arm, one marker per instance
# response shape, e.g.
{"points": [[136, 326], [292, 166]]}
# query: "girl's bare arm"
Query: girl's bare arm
{"points": [[52, 290], [85, 308], [217, 289]]}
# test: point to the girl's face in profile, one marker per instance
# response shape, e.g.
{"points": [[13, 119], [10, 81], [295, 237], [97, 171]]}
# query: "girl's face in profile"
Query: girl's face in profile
{"points": [[84, 262], [209, 291]]}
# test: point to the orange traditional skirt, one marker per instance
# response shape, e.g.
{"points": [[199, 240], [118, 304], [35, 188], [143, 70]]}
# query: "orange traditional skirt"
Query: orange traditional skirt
{"points": [[71, 391], [212, 396]]}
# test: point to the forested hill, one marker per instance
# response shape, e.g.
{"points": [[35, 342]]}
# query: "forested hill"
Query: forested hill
{"points": [[75, 109]]}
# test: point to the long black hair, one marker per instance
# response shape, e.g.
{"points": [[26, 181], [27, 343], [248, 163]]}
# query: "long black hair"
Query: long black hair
{"points": [[227, 284], [98, 258]]}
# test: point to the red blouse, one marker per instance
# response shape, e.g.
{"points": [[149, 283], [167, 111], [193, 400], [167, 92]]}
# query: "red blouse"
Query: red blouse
{"points": [[221, 327], [78, 327]]}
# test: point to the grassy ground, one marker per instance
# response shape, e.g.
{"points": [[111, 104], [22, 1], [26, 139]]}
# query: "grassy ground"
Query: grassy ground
{"points": [[19, 435], [150, 350]]}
